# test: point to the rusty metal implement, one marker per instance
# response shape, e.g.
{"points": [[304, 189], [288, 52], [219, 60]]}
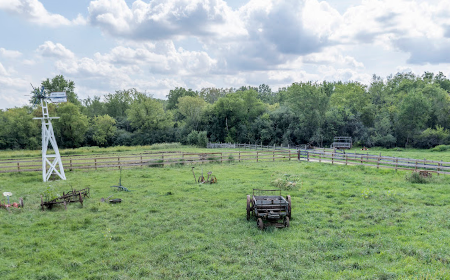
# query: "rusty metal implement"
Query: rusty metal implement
{"points": [[269, 207], [66, 198]]}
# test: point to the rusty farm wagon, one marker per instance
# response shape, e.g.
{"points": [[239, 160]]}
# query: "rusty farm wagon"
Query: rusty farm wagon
{"points": [[269, 207]]}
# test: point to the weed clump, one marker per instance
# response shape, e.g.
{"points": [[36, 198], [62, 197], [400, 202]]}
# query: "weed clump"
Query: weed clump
{"points": [[287, 183], [416, 178]]}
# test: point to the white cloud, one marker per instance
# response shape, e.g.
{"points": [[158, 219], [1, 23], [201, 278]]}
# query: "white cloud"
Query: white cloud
{"points": [[164, 19], [333, 56], [50, 49], [3, 70], [9, 54], [33, 11]]}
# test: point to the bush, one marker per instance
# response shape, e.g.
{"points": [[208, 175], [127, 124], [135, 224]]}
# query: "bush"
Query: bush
{"points": [[416, 178], [202, 139], [432, 137], [441, 148], [192, 138]]}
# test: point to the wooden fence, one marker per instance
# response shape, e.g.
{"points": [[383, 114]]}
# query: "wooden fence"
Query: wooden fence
{"points": [[161, 159], [148, 159], [250, 146], [334, 157]]}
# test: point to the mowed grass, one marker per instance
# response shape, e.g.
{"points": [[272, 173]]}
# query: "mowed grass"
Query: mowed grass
{"points": [[348, 222]]}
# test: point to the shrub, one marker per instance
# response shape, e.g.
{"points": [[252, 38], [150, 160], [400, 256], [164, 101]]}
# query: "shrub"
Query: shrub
{"points": [[192, 138], [416, 178], [202, 139], [432, 137], [441, 148]]}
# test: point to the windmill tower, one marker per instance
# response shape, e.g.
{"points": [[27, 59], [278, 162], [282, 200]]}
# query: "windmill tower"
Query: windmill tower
{"points": [[51, 162]]}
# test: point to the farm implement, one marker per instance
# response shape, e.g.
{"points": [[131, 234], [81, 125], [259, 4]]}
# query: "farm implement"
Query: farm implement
{"points": [[7, 204], [201, 180], [269, 208], [67, 198]]}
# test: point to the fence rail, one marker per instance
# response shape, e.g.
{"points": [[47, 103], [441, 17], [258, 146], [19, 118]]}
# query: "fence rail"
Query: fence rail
{"points": [[439, 167], [260, 154], [155, 159], [333, 155]]}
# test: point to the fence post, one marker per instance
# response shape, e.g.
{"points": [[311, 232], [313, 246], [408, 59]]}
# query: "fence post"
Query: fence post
{"points": [[416, 166], [346, 158], [162, 158], [118, 161], [289, 155], [307, 156], [18, 167], [221, 157], [332, 158], [361, 159], [141, 160], [257, 156], [70, 164], [298, 155], [396, 164], [239, 156], [378, 161], [273, 156], [439, 164], [95, 163], [320, 157]]}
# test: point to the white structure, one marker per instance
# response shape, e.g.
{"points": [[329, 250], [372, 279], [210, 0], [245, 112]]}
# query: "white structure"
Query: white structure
{"points": [[51, 162]]}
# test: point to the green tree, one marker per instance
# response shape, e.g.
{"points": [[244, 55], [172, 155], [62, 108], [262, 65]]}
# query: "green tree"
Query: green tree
{"points": [[93, 107], [413, 114], [104, 129], [71, 126], [191, 108], [147, 113], [175, 94], [19, 130], [117, 104], [60, 84], [211, 95]]}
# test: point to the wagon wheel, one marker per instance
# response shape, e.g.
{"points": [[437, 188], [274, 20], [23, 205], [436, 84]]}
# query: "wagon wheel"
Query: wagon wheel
{"points": [[201, 179], [260, 224], [286, 221], [248, 207], [21, 202], [289, 206]]}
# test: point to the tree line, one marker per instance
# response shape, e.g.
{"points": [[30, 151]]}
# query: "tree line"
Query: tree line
{"points": [[403, 110]]}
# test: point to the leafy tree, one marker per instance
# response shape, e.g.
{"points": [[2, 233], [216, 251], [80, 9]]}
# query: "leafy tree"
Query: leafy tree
{"points": [[147, 114], [19, 130], [60, 84], [191, 108], [211, 95], [175, 94], [116, 104], [309, 102], [71, 126], [103, 129], [93, 107], [265, 94], [413, 115]]}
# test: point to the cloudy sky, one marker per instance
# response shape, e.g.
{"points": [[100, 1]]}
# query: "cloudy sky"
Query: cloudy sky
{"points": [[157, 45]]}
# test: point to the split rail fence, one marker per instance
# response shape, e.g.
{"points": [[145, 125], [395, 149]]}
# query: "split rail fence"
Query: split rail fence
{"points": [[148, 159], [263, 154]]}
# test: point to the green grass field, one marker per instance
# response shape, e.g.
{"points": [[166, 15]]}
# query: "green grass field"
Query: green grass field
{"points": [[348, 222]]}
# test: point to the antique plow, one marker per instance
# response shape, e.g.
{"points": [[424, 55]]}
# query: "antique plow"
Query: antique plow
{"points": [[66, 198]]}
